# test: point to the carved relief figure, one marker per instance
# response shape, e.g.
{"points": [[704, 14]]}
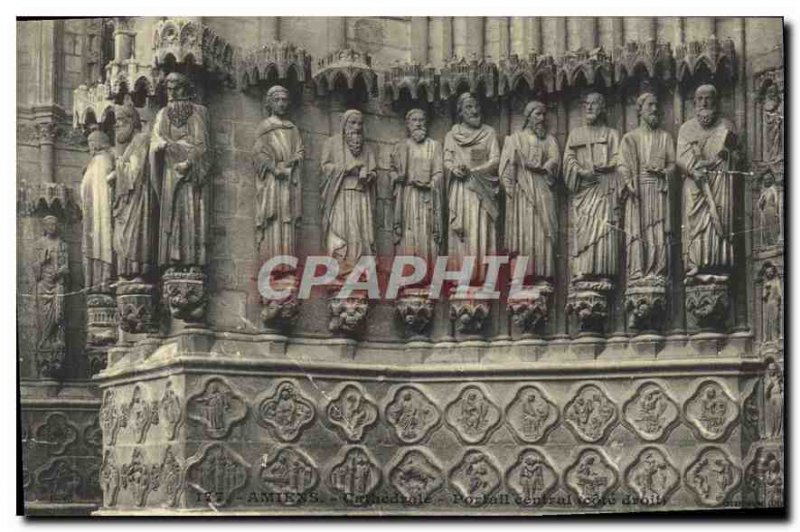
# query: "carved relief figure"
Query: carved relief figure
{"points": [[773, 119], [712, 476], [711, 410], [531, 478], [531, 414], [278, 157], [651, 412], [472, 414], [355, 476], [352, 413], [289, 474], [179, 162], [714, 410], [591, 477], [529, 168], [170, 410], [217, 408], [416, 477], [50, 273], [647, 163], [773, 401], [591, 157], [96, 205], [590, 413], [134, 200], [411, 414], [770, 211], [475, 478], [217, 474], [348, 187], [471, 160], [772, 304], [706, 153], [287, 411], [417, 180]]}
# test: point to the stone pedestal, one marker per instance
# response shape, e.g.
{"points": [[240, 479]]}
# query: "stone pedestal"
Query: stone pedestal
{"points": [[588, 302], [415, 311], [279, 314], [136, 307], [469, 314], [529, 308], [101, 326], [184, 293], [646, 304]]}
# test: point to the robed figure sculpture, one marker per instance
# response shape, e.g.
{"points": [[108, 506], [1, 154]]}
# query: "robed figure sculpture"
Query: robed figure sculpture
{"points": [[471, 160], [348, 187], [96, 205]]}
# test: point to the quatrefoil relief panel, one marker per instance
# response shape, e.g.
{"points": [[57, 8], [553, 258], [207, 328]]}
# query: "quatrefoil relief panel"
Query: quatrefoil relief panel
{"points": [[653, 477], [590, 414], [472, 415], [711, 411], [286, 411], [352, 412], [416, 475], [651, 412], [531, 414], [532, 478], [217, 407], [475, 478], [411, 414], [712, 476], [591, 477]]}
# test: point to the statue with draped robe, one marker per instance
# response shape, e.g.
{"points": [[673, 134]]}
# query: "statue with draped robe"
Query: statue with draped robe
{"points": [[96, 205]]}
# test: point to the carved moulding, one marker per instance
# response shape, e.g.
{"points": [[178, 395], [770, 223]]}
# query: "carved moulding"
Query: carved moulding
{"points": [[763, 485], [288, 476], [413, 77], [707, 301], [135, 306], [654, 57], [185, 293], [475, 478], [588, 302], [594, 66], [274, 60], [352, 412], [712, 476], [531, 415], [592, 477], [286, 411], [354, 476], [719, 57], [348, 315], [417, 475], [650, 412], [711, 411], [415, 310], [590, 414], [652, 477], [538, 71], [529, 308], [217, 473], [348, 65], [472, 415], [188, 41], [281, 313], [101, 326], [474, 73], [217, 408], [646, 303], [411, 414], [532, 478], [139, 478]]}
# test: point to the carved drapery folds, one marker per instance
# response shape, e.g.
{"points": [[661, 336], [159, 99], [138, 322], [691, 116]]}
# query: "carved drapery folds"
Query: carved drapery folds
{"points": [[413, 77], [348, 65], [537, 70], [188, 41], [475, 75], [719, 57], [278, 60]]}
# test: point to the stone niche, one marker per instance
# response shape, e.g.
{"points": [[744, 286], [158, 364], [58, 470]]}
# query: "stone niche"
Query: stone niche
{"points": [[578, 395]]}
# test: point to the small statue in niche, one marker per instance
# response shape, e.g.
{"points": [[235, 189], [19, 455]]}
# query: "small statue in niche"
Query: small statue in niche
{"points": [[770, 210], [772, 304], [278, 156], [773, 401], [50, 271], [591, 157], [417, 179], [706, 155], [179, 162], [773, 119], [529, 169], [96, 205], [471, 161], [348, 185]]}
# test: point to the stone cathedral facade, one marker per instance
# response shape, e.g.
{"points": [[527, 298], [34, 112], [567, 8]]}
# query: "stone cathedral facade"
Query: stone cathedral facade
{"points": [[638, 163]]}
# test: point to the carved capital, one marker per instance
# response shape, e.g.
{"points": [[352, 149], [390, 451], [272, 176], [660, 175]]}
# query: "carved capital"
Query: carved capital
{"points": [[588, 302], [101, 327], [135, 306], [185, 293], [707, 302], [645, 303], [469, 315], [348, 315], [281, 313], [415, 310], [529, 307]]}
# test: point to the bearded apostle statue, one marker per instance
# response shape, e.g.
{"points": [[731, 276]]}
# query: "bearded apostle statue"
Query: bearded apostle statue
{"points": [[471, 160], [179, 161], [529, 169], [348, 187], [417, 179], [278, 156], [706, 154], [591, 157], [96, 204]]}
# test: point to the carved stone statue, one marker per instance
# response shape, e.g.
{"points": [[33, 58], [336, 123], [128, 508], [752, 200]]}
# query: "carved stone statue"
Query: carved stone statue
{"points": [[348, 182], [278, 156], [50, 272], [417, 180], [471, 160], [705, 155], [647, 162], [96, 204], [772, 304], [773, 401], [179, 161], [591, 157], [529, 168], [134, 218]]}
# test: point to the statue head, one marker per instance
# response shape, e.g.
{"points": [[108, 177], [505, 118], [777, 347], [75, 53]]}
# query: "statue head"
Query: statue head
{"points": [[353, 130], [705, 105], [277, 100], [536, 118], [594, 108], [98, 141], [647, 109], [417, 124], [50, 225], [179, 88], [772, 98], [126, 122], [469, 110]]}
